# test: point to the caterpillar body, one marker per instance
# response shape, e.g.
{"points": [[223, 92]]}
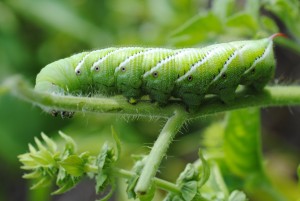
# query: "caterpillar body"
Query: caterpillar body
{"points": [[161, 73]]}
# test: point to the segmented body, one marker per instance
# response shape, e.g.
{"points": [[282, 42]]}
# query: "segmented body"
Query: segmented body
{"points": [[188, 74]]}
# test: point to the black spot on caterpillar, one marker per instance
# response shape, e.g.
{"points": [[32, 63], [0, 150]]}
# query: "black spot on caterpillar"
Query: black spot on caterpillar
{"points": [[188, 74]]}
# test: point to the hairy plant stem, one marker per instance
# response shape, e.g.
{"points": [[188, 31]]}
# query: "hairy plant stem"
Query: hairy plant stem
{"points": [[270, 96], [159, 150], [160, 183]]}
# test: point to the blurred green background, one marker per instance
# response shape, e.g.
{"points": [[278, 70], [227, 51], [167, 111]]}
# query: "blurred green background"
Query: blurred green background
{"points": [[34, 33]]}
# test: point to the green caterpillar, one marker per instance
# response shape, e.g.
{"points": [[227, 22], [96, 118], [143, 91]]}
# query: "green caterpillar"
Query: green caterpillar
{"points": [[188, 74]]}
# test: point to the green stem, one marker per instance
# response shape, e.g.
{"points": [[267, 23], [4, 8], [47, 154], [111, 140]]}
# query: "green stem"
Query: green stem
{"points": [[18, 87], [158, 151], [160, 183], [270, 96]]}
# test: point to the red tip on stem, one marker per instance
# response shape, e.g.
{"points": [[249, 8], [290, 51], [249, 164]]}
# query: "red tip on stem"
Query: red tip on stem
{"points": [[278, 35]]}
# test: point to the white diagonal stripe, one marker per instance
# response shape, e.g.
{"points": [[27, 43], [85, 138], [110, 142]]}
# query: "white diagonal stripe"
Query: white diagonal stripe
{"points": [[102, 59], [142, 52], [265, 53], [237, 52], [199, 63], [80, 64], [166, 60]]}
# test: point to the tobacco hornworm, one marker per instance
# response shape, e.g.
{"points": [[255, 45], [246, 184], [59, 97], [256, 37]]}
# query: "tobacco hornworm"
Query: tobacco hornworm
{"points": [[188, 74]]}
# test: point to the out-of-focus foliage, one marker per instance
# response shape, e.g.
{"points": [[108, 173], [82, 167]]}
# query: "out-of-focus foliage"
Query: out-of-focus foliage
{"points": [[35, 33], [239, 139], [288, 11], [242, 143]]}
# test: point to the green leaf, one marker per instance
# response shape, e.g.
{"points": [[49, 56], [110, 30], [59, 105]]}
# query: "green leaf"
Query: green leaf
{"points": [[242, 143], [137, 168], [44, 158], [61, 176], [189, 190], [288, 11], [213, 138], [222, 8], [109, 195], [106, 157], [40, 160], [33, 175], [104, 162], [188, 174], [117, 142], [269, 24], [31, 148], [70, 145], [78, 27], [50, 143], [28, 161], [237, 196], [101, 182], [65, 181], [64, 188], [42, 182], [73, 165], [39, 144], [130, 187], [215, 185], [199, 28], [253, 8], [243, 22], [190, 180], [205, 170], [44, 164]]}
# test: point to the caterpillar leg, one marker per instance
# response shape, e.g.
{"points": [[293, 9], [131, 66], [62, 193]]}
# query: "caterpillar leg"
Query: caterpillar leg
{"points": [[66, 114], [132, 94], [260, 83], [63, 114], [192, 101], [227, 94], [160, 97], [259, 76]]}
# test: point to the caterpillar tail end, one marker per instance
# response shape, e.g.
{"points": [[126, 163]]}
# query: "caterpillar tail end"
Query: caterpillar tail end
{"points": [[278, 35]]}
